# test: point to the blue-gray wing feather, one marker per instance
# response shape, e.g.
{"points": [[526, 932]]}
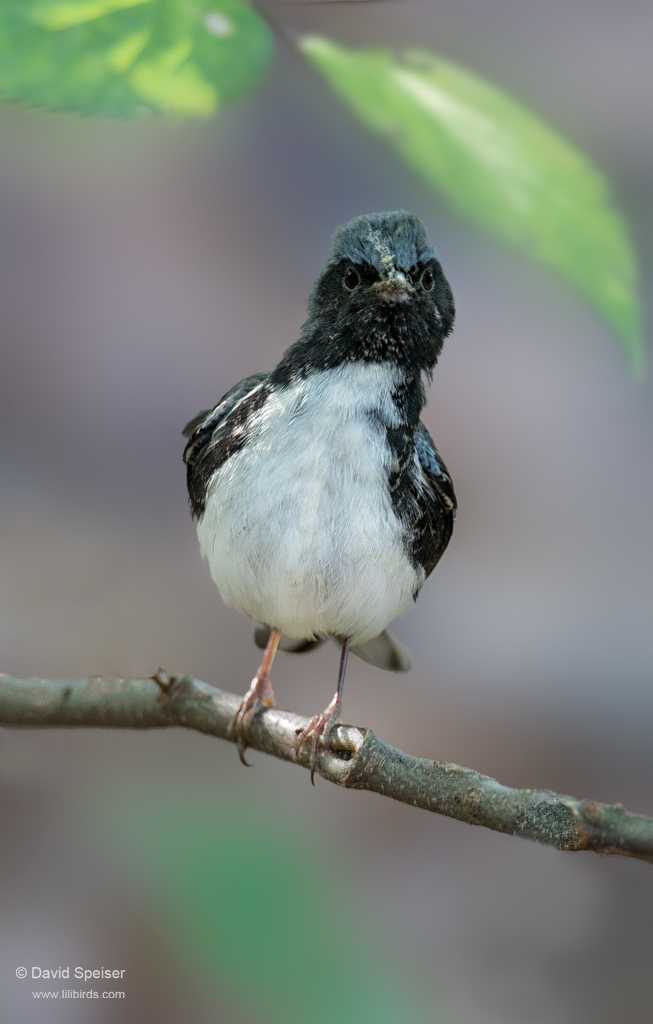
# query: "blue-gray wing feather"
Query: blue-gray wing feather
{"points": [[434, 468]]}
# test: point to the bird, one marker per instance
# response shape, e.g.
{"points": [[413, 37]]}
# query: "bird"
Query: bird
{"points": [[322, 503]]}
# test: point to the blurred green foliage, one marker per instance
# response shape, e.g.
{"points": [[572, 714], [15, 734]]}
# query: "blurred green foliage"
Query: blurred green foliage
{"points": [[120, 58], [494, 160], [499, 165], [251, 910]]}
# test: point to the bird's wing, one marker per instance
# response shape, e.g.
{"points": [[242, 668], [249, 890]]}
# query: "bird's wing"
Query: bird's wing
{"points": [[193, 424], [226, 404], [434, 469], [429, 504], [211, 437]]}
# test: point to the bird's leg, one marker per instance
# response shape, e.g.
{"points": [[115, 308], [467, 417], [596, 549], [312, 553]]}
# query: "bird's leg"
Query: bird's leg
{"points": [[320, 726], [260, 695]]}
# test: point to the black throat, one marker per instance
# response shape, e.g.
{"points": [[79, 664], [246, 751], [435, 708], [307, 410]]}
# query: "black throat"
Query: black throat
{"points": [[376, 334]]}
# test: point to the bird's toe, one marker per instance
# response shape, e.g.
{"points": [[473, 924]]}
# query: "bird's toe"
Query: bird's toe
{"points": [[317, 733], [258, 697]]}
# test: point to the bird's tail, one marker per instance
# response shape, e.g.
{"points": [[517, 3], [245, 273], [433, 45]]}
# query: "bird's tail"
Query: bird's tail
{"points": [[382, 652]]}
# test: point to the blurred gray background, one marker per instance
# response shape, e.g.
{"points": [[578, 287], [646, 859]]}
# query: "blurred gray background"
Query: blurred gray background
{"points": [[144, 269]]}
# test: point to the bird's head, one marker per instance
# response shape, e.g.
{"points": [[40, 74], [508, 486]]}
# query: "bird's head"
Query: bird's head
{"points": [[382, 295]]}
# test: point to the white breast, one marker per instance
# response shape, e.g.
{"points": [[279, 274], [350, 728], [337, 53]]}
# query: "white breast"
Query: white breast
{"points": [[298, 528]]}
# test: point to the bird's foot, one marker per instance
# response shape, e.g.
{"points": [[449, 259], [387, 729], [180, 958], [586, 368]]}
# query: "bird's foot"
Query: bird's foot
{"points": [[260, 695], [317, 732]]}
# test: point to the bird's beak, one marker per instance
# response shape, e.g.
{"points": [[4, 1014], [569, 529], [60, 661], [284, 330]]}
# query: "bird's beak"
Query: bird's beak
{"points": [[394, 285]]}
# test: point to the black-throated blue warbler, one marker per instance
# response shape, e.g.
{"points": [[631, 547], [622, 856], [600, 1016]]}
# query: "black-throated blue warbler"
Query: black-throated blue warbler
{"points": [[322, 504]]}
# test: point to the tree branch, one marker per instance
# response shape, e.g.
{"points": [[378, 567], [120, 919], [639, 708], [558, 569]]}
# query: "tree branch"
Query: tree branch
{"points": [[358, 760]]}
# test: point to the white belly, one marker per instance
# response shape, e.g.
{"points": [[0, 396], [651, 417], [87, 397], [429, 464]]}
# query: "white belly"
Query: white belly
{"points": [[299, 530]]}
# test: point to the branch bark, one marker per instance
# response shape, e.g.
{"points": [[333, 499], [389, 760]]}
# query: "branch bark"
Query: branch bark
{"points": [[358, 759]]}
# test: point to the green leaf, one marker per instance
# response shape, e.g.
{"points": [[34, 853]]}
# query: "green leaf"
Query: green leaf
{"points": [[499, 165], [252, 907], [122, 58]]}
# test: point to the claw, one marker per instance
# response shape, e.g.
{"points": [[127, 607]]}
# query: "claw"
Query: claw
{"points": [[260, 695], [318, 731], [319, 728]]}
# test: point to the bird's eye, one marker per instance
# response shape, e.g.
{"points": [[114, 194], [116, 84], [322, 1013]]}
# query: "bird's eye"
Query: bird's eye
{"points": [[427, 280], [352, 279]]}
